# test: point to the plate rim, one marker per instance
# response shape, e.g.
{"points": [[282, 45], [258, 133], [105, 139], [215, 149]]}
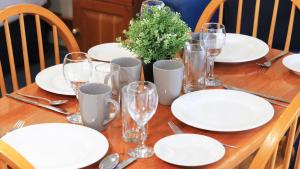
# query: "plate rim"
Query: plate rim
{"points": [[245, 60], [284, 62], [194, 135], [79, 165], [104, 44], [42, 86], [220, 130]]}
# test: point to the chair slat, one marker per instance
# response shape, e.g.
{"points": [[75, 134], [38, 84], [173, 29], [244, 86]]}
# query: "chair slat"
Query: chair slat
{"points": [[2, 82], [273, 23], [239, 16], [40, 41], [256, 15], [290, 144], [221, 11], [290, 29], [273, 158], [3, 165], [297, 162], [10, 56], [56, 47], [24, 49]]}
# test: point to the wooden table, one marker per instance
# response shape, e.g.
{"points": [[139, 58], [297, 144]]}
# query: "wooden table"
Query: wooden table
{"points": [[277, 81]]}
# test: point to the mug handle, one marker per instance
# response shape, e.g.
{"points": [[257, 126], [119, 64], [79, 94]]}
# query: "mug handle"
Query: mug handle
{"points": [[107, 77], [112, 115]]}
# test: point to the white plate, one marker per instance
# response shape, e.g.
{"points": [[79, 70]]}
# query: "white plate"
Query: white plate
{"points": [[52, 80], [109, 51], [58, 145], [222, 110], [189, 150], [292, 62], [242, 48]]}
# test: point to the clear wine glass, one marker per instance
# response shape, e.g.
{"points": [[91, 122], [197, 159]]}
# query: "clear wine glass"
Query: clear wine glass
{"points": [[141, 103], [146, 5], [213, 39], [77, 70]]}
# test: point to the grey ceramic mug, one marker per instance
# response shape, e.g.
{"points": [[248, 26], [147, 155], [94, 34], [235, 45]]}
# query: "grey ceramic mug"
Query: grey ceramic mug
{"points": [[94, 102], [168, 78], [130, 70]]}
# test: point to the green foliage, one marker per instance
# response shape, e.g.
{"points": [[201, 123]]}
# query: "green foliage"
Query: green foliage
{"points": [[158, 34]]}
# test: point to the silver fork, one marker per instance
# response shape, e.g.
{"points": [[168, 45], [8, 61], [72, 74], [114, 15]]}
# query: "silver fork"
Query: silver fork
{"points": [[17, 125], [177, 130], [268, 63]]}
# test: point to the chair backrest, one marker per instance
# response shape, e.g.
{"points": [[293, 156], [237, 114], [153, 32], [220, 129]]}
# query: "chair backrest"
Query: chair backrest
{"points": [[215, 5], [58, 28], [9, 157], [287, 122]]}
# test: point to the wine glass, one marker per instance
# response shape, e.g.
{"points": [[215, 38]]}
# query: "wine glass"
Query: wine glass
{"points": [[146, 5], [141, 104], [213, 39], [77, 70]]}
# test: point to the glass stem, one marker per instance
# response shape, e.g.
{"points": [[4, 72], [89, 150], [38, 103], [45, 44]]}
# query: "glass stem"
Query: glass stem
{"points": [[210, 67], [143, 136], [77, 101]]}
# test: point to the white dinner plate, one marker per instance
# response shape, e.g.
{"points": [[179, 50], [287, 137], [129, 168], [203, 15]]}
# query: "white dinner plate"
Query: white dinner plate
{"points": [[222, 110], [292, 62], [189, 150], [52, 80], [58, 145], [242, 48], [109, 51]]}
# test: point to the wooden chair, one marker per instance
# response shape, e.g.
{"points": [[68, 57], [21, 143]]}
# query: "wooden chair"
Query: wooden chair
{"points": [[214, 5], [58, 27], [9, 157], [287, 122]]}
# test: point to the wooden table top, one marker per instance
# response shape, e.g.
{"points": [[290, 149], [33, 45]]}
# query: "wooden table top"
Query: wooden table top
{"points": [[276, 81]]}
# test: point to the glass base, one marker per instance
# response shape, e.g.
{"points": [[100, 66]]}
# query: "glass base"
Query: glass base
{"points": [[141, 152], [213, 82], [75, 118]]}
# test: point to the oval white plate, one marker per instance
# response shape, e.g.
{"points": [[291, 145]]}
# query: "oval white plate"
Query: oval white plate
{"points": [[109, 51], [58, 145], [242, 48], [52, 80], [189, 150], [222, 110], [292, 62]]}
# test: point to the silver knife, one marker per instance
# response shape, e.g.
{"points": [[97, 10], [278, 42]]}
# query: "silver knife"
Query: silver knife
{"points": [[258, 94], [56, 109], [125, 163]]}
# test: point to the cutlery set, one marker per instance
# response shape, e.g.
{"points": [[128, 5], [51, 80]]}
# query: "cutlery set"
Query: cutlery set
{"points": [[270, 98], [45, 106], [177, 130]]}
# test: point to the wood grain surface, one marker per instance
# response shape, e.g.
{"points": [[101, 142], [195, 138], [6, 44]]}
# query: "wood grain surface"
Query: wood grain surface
{"points": [[276, 81]]}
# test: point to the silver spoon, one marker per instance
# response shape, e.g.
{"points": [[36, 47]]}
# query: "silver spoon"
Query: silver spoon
{"points": [[51, 102], [110, 161]]}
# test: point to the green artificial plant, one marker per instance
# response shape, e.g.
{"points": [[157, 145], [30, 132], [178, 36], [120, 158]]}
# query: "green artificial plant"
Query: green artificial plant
{"points": [[158, 34]]}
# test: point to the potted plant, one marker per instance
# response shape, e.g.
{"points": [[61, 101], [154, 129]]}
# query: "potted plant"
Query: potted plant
{"points": [[158, 34]]}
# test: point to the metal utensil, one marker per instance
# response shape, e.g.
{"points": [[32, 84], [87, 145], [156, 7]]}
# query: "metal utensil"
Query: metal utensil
{"points": [[17, 125], [125, 163], [51, 102], [110, 161], [56, 109], [256, 93], [268, 63], [177, 130]]}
